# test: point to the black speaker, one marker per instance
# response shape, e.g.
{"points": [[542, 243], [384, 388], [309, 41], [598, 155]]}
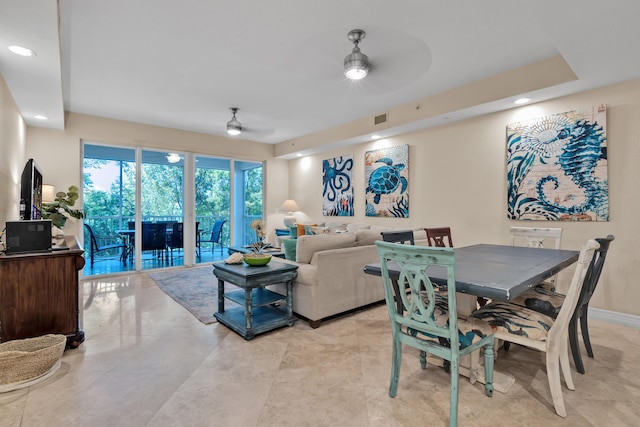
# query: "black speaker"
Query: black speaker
{"points": [[28, 236]]}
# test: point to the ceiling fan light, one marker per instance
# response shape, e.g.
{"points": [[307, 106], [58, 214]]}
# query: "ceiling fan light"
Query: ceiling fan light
{"points": [[234, 127], [356, 64], [173, 157]]}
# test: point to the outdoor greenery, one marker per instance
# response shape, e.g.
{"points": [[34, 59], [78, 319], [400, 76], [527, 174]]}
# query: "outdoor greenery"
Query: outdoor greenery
{"points": [[162, 191]]}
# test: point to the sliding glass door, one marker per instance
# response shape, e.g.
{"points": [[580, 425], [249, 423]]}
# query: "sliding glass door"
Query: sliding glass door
{"points": [[181, 209], [161, 225], [212, 206]]}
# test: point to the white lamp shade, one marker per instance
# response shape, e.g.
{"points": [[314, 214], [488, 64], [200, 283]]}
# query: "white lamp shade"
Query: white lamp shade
{"points": [[48, 193], [290, 206]]}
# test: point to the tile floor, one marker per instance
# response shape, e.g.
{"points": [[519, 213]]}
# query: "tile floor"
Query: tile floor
{"points": [[148, 362]]}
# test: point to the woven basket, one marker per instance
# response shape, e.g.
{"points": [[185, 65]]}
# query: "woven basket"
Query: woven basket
{"points": [[22, 360]]}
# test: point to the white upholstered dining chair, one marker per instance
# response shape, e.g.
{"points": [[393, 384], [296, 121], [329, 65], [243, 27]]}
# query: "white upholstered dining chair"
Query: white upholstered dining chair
{"points": [[513, 323]]}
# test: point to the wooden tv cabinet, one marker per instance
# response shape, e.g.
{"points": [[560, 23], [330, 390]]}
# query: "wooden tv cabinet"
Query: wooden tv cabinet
{"points": [[39, 293]]}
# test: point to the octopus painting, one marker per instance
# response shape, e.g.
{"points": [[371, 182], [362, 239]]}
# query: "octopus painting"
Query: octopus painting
{"points": [[337, 190], [557, 168], [387, 182]]}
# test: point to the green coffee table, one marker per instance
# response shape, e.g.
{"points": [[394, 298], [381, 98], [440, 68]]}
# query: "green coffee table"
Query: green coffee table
{"points": [[260, 310]]}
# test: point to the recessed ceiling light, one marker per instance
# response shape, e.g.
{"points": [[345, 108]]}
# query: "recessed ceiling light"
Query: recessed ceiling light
{"points": [[22, 51], [375, 136], [521, 101], [40, 117]]}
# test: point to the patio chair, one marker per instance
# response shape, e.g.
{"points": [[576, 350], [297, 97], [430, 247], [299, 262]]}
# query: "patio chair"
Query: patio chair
{"points": [[427, 321], [102, 243], [215, 238], [176, 238], [154, 238], [521, 325], [544, 300]]}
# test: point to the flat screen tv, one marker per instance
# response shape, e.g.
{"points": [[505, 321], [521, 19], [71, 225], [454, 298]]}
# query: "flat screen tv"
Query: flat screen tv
{"points": [[31, 192]]}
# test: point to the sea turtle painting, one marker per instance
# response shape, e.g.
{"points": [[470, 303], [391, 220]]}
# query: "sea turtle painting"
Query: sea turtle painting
{"points": [[386, 179]]}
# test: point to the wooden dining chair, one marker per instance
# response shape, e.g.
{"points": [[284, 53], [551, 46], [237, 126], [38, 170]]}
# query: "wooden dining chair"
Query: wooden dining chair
{"points": [[543, 299], [439, 237], [513, 323], [428, 321], [404, 237]]}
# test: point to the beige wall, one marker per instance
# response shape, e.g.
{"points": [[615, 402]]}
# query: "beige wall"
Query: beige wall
{"points": [[58, 153], [457, 174], [458, 179], [12, 155]]}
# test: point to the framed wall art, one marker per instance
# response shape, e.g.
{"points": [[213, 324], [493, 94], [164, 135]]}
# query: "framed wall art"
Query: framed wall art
{"points": [[557, 167], [337, 187], [387, 182]]}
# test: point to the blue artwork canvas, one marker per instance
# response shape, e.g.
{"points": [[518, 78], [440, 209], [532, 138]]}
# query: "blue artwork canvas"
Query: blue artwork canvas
{"points": [[337, 187], [557, 167], [387, 179]]}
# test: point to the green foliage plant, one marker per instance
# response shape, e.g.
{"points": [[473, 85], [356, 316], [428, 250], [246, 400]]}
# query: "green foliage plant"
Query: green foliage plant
{"points": [[61, 208]]}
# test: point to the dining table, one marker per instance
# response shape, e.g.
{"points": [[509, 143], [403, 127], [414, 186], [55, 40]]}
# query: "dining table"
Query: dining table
{"points": [[496, 272]]}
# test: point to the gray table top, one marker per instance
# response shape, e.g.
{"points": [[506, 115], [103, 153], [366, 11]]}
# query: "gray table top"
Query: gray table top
{"points": [[247, 271], [496, 271]]}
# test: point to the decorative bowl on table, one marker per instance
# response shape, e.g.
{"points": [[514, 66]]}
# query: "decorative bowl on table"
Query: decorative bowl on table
{"points": [[255, 260]]}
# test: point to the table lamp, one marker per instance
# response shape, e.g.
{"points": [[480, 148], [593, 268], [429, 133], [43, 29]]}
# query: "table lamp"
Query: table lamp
{"points": [[48, 193], [290, 206]]}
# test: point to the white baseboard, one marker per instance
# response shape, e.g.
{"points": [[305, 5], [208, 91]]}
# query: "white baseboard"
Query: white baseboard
{"points": [[615, 317]]}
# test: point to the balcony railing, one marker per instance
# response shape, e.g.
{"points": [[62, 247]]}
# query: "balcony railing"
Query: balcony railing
{"points": [[109, 225]]}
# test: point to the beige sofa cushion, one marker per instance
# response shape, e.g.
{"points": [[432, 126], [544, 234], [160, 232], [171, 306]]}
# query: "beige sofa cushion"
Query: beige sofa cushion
{"points": [[368, 237], [308, 245], [354, 227]]}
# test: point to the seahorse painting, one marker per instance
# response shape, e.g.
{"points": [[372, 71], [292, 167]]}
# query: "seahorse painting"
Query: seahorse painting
{"points": [[337, 191], [557, 167]]}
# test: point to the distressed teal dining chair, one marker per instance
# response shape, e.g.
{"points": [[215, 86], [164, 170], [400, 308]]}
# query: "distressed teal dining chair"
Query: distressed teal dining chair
{"points": [[427, 320], [521, 325]]}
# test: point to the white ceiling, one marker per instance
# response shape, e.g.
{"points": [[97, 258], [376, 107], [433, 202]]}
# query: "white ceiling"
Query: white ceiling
{"points": [[182, 64]]}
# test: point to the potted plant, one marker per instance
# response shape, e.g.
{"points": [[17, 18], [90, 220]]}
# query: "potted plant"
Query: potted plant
{"points": [[62, 209], [257, 255]]}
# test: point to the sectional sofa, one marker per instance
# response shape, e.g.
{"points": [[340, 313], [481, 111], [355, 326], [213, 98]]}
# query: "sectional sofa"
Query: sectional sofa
{"points": [[330, 278]]}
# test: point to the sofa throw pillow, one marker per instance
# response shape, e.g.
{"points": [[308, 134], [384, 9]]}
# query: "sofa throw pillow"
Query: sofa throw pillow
{"points": [[301, 228], [293, 232], [309, 229], [290, 249], [309, 245]]}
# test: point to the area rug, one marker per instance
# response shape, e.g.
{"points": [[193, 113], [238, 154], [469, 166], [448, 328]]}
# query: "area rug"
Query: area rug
{"points": [[196, 289]]}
